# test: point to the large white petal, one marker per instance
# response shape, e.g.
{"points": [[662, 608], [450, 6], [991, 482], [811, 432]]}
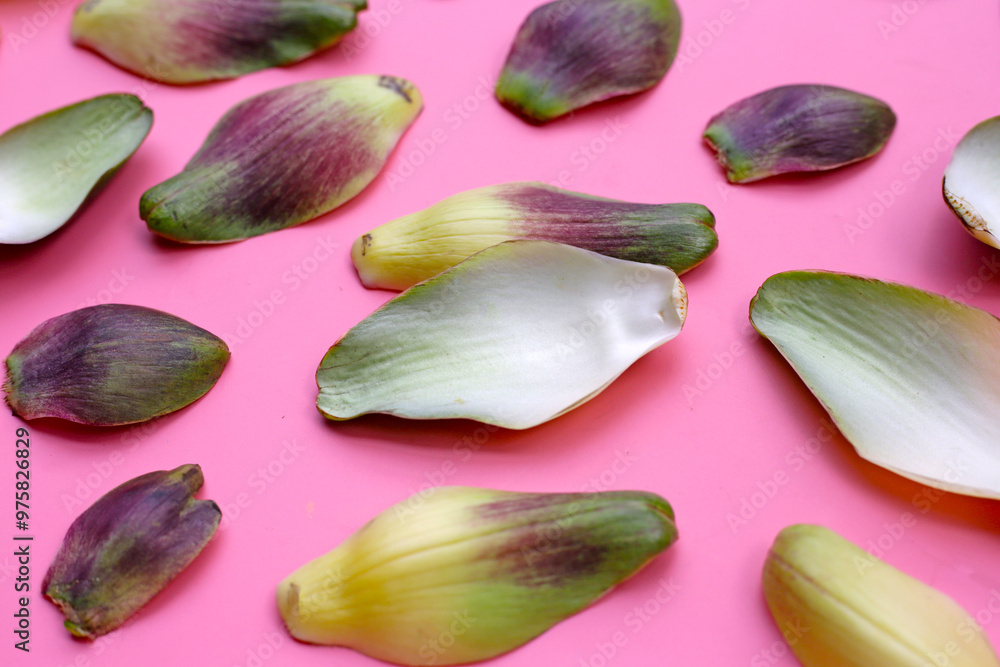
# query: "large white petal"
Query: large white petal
{"points": [[911, 378], [515, 335]]}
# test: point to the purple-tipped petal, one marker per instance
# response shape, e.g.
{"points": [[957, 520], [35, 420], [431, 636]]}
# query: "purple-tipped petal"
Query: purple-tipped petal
{"points": [[282, 158], [571, 53], [189, 41], [112, 364], [798, 128], [416, 247], [512, 564], [127, 546]]}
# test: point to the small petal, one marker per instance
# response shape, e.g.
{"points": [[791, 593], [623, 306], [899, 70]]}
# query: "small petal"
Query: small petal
{"points": [[972, 181], [515, 335], [909, 377], [798, 128], [282, 158], [127, 547], [112, 364], [189, 41], [485, 570], [842, 607], [52, 165], [571, 53], [413, 248]]}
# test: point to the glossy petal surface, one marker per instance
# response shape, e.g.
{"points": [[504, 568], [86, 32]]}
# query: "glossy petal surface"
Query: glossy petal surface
{"points": [[515, 335], [908, 376]]}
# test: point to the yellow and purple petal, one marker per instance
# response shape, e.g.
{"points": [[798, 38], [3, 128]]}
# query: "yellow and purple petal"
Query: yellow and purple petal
{"points": [[112, 364], [495, 568], [798, 128], [127, 546], [282, 158], [413, 248], [190, 41], [571, 53]]}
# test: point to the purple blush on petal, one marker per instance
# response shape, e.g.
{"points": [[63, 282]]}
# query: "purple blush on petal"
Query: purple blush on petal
{"points": [[799, 128], [112, 364], [573, 45], [288, 153], [127, 546]]}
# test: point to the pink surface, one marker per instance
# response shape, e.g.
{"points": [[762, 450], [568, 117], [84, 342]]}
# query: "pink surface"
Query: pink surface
{"points": [[714, 421]]}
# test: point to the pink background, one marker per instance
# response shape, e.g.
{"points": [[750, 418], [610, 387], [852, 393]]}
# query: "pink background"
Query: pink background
{"points": [[715, 420]]}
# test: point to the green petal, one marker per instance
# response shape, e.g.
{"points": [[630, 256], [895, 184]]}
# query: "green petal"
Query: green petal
{"points": [[464, 574], [127, 546], [572, 53], [282, 158], [416, 247], [52, 164], [112, 364], [190, 41], [909, 377], [515, 335]]}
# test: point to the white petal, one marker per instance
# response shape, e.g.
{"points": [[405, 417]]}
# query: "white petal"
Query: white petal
{"points": [[514, 336], [972, 181], [910, 377], [51, 164]]}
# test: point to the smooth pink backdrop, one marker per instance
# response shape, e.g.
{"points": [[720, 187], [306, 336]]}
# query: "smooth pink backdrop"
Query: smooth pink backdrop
{"points": [[715, 420]]}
